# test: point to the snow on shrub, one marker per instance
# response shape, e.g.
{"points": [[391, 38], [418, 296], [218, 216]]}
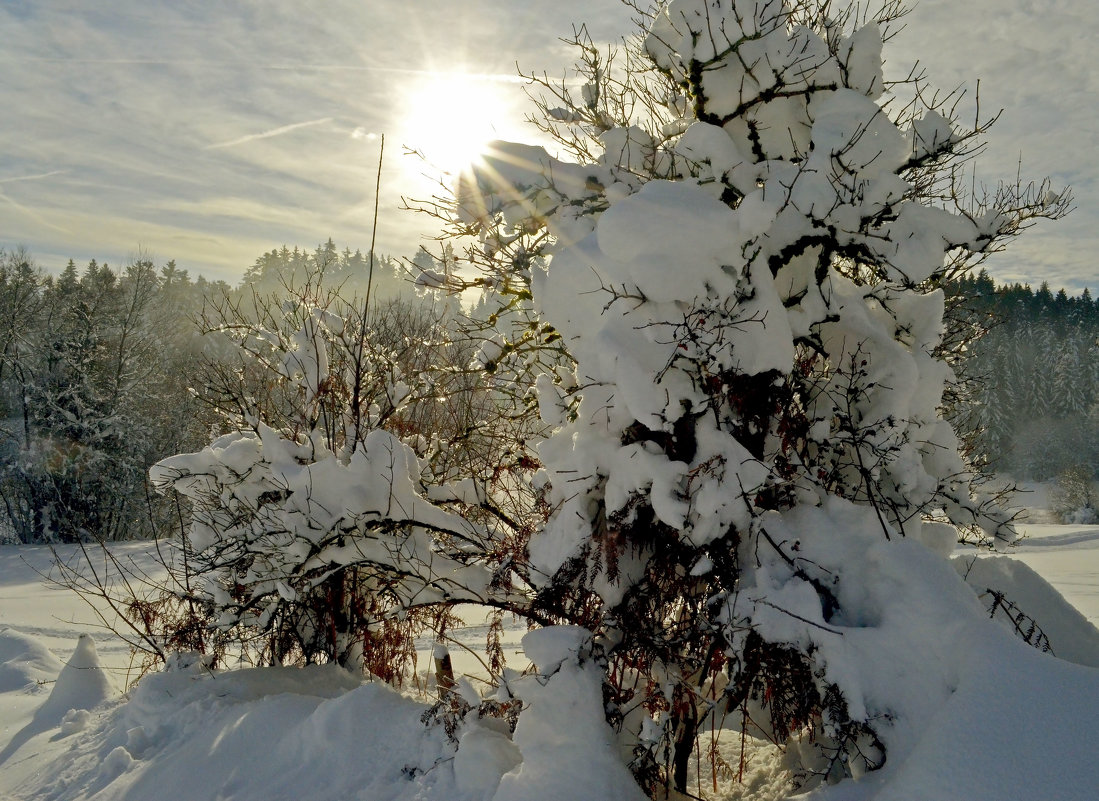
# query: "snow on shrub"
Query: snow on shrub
{"points": [[316, 541], [751, 440], [1074, 495]]}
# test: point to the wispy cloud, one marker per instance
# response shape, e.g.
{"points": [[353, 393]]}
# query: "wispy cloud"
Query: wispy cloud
{"points": [[268, 134], [289, 66], [143, 103]]}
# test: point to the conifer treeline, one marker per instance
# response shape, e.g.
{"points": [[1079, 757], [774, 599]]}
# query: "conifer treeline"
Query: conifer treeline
{"points": [[351, 271], [1034, 409], [95, 374]]}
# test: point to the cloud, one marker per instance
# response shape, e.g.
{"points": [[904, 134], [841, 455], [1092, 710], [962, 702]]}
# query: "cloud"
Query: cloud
{"points": [[1034, 65], [125, 107], [118, 104]]}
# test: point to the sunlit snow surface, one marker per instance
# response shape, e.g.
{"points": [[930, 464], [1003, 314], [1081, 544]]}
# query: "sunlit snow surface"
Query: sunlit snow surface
{"points": [[1018, 725], [1068, 557]]}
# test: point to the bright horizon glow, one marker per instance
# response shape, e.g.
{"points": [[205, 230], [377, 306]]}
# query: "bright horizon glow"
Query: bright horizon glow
{"points": [[451, 118]]}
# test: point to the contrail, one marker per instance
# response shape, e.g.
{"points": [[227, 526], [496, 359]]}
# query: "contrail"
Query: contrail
{"points": [[268, 134], [38, 218], [32, 177]]}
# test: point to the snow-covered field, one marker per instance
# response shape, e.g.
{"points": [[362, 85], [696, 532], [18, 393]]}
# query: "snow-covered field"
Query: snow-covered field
{"points": [[1018, 726], [1068, 557]]}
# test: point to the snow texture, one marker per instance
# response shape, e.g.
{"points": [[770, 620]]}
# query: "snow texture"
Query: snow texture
{"points": [[1016, 724]]}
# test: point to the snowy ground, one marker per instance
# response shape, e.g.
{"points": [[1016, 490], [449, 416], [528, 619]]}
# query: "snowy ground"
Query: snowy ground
{"points": [[1017, 727], [1068, 557]]}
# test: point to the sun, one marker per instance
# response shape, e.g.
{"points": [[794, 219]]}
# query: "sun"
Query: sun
{"points": [[451, 117]]}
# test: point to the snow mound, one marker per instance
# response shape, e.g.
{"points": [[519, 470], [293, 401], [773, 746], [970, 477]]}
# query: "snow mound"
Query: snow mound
{"points": [[1018, 727], [262, 733], [24, 662], [318, 733], [82, 684], [568, 749], [1072, 637], [484, 755]]}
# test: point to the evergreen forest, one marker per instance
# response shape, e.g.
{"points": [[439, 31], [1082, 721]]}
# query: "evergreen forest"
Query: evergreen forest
{"points": [[1033, 370]]}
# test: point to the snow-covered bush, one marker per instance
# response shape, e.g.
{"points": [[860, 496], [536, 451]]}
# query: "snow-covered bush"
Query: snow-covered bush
{"points": [[745, 277], [1073, 497], [318, 532]]}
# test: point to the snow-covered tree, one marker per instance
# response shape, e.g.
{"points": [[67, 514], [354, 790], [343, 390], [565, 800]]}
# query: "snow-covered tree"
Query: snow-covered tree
{"points": [[749, 447], [1071, 388], [85, 369]]}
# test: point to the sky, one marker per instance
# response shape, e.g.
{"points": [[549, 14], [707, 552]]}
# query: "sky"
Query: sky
{"points": [[210, 133]]}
